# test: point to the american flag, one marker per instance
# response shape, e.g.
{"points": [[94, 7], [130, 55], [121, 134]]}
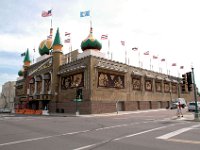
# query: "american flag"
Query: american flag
{"points": [[155, 57], [67, 34], [163, 59], [104, 37], [67, 41], [146, 53], [134, 48], [173, 64], [47, 13], [123, 43], [49, 37]]}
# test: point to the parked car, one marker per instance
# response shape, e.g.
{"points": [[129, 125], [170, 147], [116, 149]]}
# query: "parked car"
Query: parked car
{"points": [[174, 103], [192, 106]]}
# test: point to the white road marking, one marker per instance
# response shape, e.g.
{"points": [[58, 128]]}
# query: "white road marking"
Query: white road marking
{"points": [[117, 139], [40, 138], [139, 133], [177, 132], [92, 145]]}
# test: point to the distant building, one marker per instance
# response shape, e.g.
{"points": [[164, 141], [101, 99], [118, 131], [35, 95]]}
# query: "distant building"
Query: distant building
{"points": [[56, 80], [7, 95]]}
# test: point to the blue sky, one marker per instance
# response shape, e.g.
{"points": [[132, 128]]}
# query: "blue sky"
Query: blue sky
{"points": [[169, 29]]}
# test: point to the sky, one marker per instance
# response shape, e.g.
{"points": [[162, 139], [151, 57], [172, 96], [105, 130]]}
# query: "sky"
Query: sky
{"points": [[168, 29]]}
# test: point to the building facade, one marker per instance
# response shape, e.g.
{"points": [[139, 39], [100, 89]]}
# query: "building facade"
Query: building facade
{"points": [[7, 95], [102, 85]]}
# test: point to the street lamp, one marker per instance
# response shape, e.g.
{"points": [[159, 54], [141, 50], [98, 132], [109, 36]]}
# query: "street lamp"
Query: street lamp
{"points": [[77, 98], [196, 114]]}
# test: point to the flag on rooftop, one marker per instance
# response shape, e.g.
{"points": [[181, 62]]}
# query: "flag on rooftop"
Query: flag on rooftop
{"points": [[155, 57], [47, 13], [49, 37], [181, 67], [67, 34], [104, 37], [134, 48], [163, 59], [67, 41], [23, 54], [84, 13], [173, 64], [123, 43], [146, 53]]}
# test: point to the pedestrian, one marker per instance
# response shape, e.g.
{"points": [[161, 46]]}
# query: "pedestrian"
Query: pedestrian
{"points": [[179, 110]]}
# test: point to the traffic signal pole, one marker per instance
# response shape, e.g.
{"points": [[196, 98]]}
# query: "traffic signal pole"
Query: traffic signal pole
{"points": [[196, 115]]}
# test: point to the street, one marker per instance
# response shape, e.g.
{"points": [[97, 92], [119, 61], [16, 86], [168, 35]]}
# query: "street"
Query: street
{"points": [[139, 130]]}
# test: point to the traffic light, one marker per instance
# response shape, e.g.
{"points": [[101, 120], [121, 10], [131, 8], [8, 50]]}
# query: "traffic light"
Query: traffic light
{"points": [[184, 78], [189, 80], [184, 82], [79, 93], [189, 77]]}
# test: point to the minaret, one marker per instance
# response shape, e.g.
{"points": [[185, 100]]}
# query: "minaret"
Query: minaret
{"points": [[27, 63], [57, 58]]}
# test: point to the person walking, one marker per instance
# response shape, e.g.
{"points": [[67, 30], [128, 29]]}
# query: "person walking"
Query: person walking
{"points": [[179, 110]]}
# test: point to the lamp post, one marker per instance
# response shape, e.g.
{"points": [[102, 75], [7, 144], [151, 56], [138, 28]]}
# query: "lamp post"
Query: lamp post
{"points": [[77, 97], [196, 114]]}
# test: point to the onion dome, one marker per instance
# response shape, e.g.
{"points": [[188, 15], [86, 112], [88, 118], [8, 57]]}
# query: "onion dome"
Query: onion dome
{"points": [[91, 43], [46, 45], [20, 73]]}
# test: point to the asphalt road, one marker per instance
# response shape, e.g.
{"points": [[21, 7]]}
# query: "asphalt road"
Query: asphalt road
{"points": [[141, 130]]}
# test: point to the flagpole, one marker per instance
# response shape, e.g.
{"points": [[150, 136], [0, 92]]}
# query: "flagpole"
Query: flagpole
{"points": [[166, 67], [139, 58], [125, 56], [108, 47], [51, 18], [150, 63]]}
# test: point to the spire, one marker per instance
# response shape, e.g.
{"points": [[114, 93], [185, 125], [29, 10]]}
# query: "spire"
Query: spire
{"points": [[27, 60], [57, 42], [27, 57]]}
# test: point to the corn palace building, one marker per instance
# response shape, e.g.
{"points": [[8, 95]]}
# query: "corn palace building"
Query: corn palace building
{"points": [[90, 82]]}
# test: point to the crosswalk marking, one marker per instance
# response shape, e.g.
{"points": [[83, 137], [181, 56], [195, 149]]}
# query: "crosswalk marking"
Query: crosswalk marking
{"points": [[177, 132]]}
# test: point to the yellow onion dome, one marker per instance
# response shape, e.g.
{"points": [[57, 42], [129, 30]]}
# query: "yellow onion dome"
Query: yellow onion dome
{"points": [[45, 46]]}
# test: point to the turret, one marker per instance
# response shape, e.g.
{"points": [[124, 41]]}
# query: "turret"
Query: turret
{"points": [[57, 57]]}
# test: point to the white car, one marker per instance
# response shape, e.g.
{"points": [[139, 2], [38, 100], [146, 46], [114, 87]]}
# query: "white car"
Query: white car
{"points": [[192, 106], [174, 103]]}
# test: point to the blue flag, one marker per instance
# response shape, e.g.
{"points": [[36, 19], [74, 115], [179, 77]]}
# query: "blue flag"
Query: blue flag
{"points": [[84, 13], [23, 54]]}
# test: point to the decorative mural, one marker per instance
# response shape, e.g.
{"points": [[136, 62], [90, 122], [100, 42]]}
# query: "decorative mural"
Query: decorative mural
{"points": [[158, 86], [174, 88], [136, 83], [110, 80], [148, 85], [166, 87], [72, 81]]}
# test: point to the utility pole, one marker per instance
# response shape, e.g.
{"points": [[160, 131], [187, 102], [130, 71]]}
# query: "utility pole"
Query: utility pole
{"points": [[196, 114]]}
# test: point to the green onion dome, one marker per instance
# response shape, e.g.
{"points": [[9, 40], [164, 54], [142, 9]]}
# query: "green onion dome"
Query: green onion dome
{"points": [[20, 73], [90, 43], [45, 46]]}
